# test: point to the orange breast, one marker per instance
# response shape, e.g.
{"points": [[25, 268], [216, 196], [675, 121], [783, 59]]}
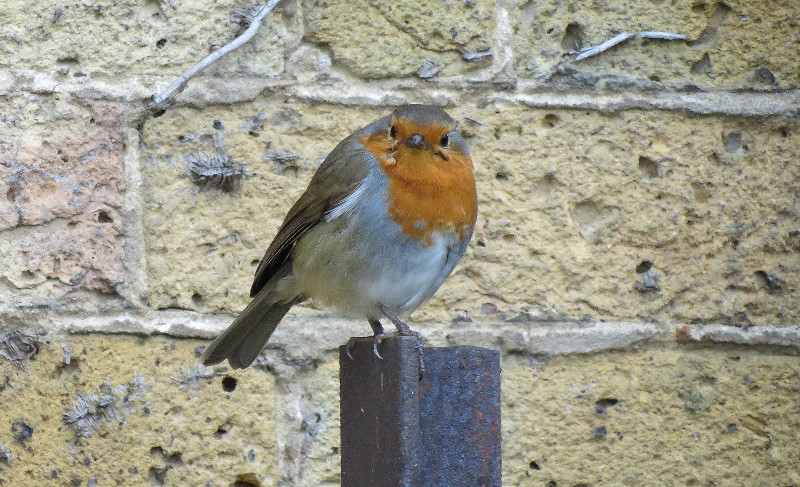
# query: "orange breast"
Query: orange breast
{"points": [[426, 193]]}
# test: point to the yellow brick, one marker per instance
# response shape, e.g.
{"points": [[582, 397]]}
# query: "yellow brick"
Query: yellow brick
{"points": [[573, 206], [662, 417], [130, 38], [374, 39], [163, 431], [736, 44]]}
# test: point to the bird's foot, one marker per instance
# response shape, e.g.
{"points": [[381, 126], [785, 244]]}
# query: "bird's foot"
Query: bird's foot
{"points": [[378, 336], [404, 330], [401, 326], [347, 348], [420, 343], [415, 334], [377, 339]]}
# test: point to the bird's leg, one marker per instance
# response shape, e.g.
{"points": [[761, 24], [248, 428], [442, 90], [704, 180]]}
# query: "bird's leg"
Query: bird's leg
{"points": [[378, 336], [403, 329], [377, 327]]}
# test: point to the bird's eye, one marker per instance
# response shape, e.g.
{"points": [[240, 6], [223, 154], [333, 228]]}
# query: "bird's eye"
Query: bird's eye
{"points": [[393, 131], [444, 140]]}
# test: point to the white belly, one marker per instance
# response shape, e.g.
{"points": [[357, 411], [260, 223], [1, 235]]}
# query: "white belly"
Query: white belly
{"points": [[355, 268]]}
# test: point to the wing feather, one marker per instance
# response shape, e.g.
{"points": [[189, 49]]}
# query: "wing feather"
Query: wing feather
{"points": [[338, 176]]}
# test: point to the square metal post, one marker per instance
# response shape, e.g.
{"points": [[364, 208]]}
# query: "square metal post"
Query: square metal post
{"points": [[380, 413], [460, 417], [401, 428]]}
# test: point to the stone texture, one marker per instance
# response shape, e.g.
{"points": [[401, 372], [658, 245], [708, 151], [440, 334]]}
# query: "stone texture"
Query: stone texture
{"points": [[655, 417], [62, 174], [102, 41], [732, 45], [650, 252], [605, 216], [310, 427], [163, 422], [374, 39], [687, 216], [660, 416], [203, 244]]}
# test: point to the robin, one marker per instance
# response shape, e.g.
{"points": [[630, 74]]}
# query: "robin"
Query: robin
{"points": [[383, 222]]}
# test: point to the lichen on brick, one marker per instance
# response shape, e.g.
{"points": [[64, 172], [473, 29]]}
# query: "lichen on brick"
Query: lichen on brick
{"points": [[191, 377], [19, 347], [218, 170], [112, 404]]}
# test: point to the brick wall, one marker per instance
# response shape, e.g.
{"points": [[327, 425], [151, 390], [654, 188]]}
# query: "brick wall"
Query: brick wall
{"points": [[636, 256]]}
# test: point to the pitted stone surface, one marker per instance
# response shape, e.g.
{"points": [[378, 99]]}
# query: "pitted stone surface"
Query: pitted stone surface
{"points": [[731, 45], [62, 174], [604, 216], [373, 39], [635, 259], [135, 411], [104, 41], [688, 417]]}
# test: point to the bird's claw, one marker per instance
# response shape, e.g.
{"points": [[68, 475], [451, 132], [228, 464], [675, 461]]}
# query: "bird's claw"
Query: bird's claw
{"points": [[412, 333], [420, 344], [377, 339], [348, 347]]}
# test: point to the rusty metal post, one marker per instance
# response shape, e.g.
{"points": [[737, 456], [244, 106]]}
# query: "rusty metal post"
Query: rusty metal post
{"points": [[460, 417], [380, 413], [401, 428]]}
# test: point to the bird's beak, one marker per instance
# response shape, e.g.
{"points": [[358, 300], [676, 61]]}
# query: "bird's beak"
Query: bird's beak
{"points": [[417, 142]]}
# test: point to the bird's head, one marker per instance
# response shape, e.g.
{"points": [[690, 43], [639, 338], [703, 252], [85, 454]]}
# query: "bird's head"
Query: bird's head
{"points": [[431, 184], [421, 143]]}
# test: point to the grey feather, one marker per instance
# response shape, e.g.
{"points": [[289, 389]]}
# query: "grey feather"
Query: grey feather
{"points": [[243, 340], [337, 177]]}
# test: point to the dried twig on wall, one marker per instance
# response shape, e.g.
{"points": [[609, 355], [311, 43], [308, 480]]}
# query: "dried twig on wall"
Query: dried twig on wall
{"points": [[624, 36], [179, 84]]}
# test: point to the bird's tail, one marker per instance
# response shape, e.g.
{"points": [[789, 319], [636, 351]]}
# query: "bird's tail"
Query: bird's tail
{"points": [[246, 336]]}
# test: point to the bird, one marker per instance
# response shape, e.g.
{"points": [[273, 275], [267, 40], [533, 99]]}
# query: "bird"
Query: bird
{"points": [[383, 222]]}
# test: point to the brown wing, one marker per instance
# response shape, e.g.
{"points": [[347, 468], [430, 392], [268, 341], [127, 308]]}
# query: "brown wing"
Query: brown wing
{"points": [[337, 177]]}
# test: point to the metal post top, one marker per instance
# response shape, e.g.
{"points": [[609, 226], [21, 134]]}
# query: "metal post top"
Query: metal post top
{"points": [[405, 427]]}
